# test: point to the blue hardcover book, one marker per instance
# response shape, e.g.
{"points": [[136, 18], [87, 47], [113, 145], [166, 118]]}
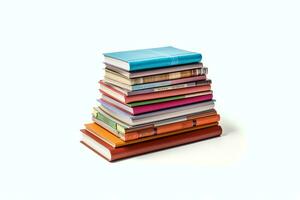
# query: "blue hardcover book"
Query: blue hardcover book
{"points": [[151, 58]]}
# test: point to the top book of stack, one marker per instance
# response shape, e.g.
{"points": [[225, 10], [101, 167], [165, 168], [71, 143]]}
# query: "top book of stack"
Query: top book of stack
{"points": [[136, 60]]}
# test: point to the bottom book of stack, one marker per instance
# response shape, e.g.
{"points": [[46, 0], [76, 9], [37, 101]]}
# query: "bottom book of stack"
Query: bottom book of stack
{"points": [[113, 148]]}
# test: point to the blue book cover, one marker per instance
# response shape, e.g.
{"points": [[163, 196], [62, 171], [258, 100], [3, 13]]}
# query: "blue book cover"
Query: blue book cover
{"points": [[151, 58]]}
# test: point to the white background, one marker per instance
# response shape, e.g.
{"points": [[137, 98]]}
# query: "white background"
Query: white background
{"points": [[50, 59]]}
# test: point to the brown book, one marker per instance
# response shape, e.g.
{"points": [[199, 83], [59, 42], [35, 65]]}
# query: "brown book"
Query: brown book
{"points": [[112, 154], [154, 78], [136, 74]]}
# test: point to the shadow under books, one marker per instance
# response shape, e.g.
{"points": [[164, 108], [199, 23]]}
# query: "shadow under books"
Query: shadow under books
{"points": [[220, 150]]}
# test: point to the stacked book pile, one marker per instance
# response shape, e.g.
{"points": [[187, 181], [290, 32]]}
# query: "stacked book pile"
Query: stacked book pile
{"points": [[151, 99]]}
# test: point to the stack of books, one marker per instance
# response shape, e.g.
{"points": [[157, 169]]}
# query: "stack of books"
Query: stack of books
{"points": [[151, 99]]}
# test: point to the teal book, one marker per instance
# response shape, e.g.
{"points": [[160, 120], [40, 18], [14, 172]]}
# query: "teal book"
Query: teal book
{"points": [[144, 59]]}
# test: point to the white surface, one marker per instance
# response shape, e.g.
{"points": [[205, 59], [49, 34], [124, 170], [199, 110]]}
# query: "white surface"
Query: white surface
{"points": [[51, 62]]}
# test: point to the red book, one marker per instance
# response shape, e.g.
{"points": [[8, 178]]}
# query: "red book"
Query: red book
{"points": [[112, 154], [111, 92]]}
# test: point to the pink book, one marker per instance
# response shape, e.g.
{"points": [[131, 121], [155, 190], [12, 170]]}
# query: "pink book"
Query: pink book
{"points": [[189, 99]]}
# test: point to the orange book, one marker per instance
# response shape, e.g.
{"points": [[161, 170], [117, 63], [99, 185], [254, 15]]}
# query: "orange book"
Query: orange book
{"points": [[115, 141], [133, 135]]}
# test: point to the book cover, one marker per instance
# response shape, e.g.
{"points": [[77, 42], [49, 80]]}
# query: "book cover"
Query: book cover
{"points": [[151, 58], [111, 154], [111, 92]]}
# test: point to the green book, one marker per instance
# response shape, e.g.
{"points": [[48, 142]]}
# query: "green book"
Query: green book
{"points": [[104, 119], [107, 120]]}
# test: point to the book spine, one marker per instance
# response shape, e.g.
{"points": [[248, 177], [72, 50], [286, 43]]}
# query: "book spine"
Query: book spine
{"points": [[107, 127], [107, 89], [150, 85], [170, 104], [174, 127], [164, 62], [104, 119], [168, 76], [139, 134], [118, 78], [171, 69], [170, 87], [159, 89], [203, 70], [170, 127], [121, 128], [202, 121], [173, 87], [109, 122], [162, 94], [141, 103], [169, 82]]}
